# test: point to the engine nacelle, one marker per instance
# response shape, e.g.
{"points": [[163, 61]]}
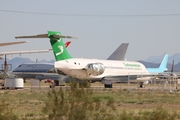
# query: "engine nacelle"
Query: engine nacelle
{"points": [[95, 69]]}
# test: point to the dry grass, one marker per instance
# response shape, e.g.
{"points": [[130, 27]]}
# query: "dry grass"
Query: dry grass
{"points": [[29, 103], [24, 103]]}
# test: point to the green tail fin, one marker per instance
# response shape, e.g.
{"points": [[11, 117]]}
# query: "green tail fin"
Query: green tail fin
{"points": [[60, 51]]}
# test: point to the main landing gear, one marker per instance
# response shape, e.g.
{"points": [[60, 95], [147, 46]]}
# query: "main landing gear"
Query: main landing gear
{"points": [[107, 85]]}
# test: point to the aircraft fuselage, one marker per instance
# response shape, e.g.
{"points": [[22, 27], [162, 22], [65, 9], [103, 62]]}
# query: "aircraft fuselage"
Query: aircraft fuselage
{"points": [[76, 67]]}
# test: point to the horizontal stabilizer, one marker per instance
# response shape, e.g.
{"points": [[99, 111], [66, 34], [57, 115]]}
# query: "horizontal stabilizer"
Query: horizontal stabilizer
{"points": [[34, 36], [45, 36]]}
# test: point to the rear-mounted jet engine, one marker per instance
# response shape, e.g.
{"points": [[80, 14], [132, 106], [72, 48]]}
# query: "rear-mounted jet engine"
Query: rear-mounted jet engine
{"points": [[95, 69]]}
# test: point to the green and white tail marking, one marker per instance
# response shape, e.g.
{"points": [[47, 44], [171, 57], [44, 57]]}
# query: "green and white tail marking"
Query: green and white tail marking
{"points": [[60, 51]]}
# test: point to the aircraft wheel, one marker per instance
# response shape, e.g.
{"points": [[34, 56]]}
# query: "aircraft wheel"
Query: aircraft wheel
{"points": [[141, 85], [51, 86], [56, 82]]}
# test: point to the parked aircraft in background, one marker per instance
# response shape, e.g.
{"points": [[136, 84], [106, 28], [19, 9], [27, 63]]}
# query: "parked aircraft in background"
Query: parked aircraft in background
{"points": [[67, 44], [162, 67], [119, 53], [5, 66], [38, 71], [106, 71], [158, 72]]}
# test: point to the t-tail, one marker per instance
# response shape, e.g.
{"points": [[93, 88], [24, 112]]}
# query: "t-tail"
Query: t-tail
{"points": [[58, 47], [162, 67]]}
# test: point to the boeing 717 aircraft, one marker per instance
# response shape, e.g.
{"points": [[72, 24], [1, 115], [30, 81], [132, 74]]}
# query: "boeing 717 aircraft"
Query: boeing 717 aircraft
{"points": [[47, 71], [92, 69]]}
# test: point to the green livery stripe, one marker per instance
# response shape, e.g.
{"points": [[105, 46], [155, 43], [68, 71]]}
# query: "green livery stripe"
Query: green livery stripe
{"points": [[131, 65], [60, 51]]}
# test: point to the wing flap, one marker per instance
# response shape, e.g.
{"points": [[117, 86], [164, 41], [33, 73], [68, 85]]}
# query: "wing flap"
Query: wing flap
{"points": [[25, 52], [36, 73], [12, 43]]}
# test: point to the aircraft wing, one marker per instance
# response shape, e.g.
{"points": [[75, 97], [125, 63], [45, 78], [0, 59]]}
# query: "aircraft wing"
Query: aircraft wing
{"points": [[11, 43], [39, 75], [36, 73], [142, 77], [166, 75], [131, 77], [24, 52]]}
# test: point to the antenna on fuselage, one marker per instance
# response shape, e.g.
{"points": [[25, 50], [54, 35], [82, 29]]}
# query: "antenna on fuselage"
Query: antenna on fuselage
{"points": [[37, 60]]}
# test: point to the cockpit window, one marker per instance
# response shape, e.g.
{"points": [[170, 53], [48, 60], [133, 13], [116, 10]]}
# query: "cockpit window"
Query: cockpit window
{"points": [[19, 65]]}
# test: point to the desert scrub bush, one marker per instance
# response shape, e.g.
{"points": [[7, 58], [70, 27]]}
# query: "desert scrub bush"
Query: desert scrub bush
{"points": [[77, 104]]}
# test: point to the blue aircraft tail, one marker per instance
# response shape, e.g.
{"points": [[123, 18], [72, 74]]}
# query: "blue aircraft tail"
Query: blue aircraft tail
{"points": [[162, 67]]}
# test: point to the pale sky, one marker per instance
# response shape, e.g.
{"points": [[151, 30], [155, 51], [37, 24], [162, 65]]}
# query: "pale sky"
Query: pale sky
{"points": [[98, 36]]}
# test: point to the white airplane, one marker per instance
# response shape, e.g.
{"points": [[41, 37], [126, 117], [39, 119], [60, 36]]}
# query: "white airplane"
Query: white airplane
{"points": [[6, 67], [47, 71], [92, 69]]}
